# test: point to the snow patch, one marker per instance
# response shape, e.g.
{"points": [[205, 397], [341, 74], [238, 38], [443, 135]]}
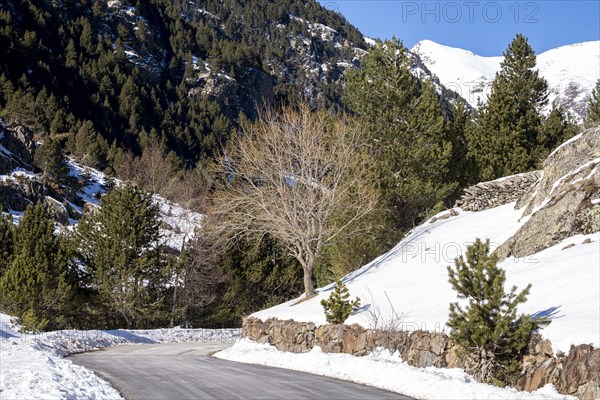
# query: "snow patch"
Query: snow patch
{"points": [[370, 42], [34, 367], [383, 370]]}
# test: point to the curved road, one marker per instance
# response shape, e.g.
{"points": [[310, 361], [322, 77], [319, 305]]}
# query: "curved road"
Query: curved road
{"points": [[186, 371]]}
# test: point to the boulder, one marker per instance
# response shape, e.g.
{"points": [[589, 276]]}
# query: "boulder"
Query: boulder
{"points": [[577, 152], [56, 210], [12, 196], [18, 141], [581, 373], [562, 204]]}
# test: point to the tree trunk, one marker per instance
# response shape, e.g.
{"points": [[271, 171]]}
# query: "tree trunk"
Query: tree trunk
{"points": [[486, 366], [309, 288], [308, 265], [174, 305]]}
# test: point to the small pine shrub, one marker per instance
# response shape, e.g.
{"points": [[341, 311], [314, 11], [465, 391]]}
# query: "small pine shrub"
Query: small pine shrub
{"points": [[337, 307], [488, 329], [32, 322]]}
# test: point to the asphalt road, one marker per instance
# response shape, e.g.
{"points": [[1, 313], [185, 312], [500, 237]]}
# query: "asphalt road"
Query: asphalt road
{"points": [[186, 371]]}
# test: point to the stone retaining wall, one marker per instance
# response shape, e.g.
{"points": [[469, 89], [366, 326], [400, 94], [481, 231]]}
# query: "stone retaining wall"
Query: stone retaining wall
{"points": [[577, 373], [485, 195], [418, 348]]}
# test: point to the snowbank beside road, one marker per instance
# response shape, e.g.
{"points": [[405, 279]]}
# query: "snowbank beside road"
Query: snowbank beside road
{"points": [[34, 367], [385, 371]]}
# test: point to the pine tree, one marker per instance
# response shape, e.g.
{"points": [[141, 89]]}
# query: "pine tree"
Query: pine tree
{"points": [[89, 146], [506, 138], [592, 118], [71, 55], [6, 241], [35, 288], [556, 128], [488, 329], [337, 307], [49, 157], [412, 142], [119, 243]]}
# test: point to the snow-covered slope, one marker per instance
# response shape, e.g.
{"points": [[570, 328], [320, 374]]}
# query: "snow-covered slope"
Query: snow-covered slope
{"points": [[178, 223], [566, 283], [571, 71]]}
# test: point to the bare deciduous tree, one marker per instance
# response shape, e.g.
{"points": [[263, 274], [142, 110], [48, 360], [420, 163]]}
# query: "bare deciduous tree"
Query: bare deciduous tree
{"points": [[189, 191], [301, 177], [156, 169]]}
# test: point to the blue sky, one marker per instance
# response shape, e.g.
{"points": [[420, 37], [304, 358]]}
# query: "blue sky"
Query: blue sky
{"points": [[484, 27]]}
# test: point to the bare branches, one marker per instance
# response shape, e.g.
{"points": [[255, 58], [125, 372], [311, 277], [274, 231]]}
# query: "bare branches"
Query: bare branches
{"points": [[298, 176], [384, 326]]}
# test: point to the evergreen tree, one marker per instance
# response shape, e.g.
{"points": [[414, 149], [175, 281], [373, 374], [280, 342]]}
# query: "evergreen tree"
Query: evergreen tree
{"points": [[506, 138], [89, 146], [81, 64], [49, 157], [119, 244], [35, 288], [251, 277], [6, 241], [556, 128], [410, 138], [488, 329], [463, 170], [337, 307], [592, 118]]}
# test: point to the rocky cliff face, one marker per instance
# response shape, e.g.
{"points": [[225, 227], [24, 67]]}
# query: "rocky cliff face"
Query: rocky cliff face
{"points": [[564, 202], [20, 186], [559, 201]]}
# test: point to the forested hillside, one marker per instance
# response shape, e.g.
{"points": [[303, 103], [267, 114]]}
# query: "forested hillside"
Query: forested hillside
{"points": [[100, 74], [111, 110]]}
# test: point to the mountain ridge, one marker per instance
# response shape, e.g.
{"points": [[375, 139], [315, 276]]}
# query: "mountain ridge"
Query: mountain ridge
{"points": [[571, 72]]}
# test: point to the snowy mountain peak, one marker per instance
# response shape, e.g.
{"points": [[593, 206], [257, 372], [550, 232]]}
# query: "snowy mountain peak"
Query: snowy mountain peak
{"points": [[427, 45], [571, 72]]}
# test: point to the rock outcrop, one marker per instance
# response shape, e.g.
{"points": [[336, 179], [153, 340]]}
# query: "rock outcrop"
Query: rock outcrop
{"points": [[581, 373], [567, 159], [16, 147], [577, 373], [559, 201], [248, 95], [21, 187], [564, 202]]}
